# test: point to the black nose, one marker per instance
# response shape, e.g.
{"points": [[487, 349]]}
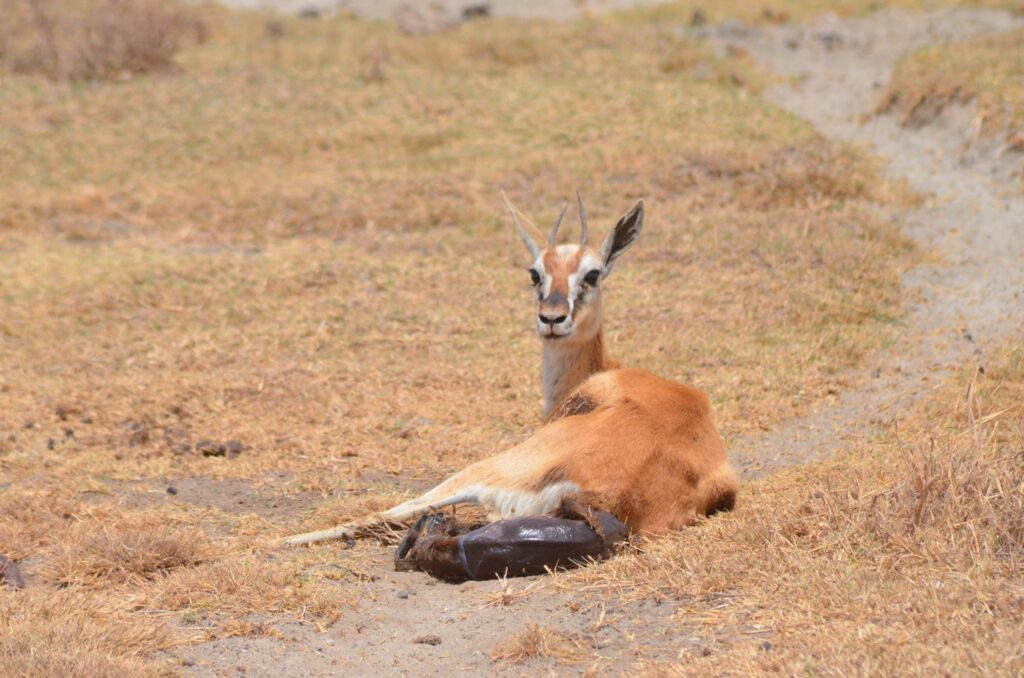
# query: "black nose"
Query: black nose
{"points": [[552, 320]]}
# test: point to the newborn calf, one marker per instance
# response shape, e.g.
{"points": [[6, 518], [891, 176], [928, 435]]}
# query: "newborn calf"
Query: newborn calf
{"points": [[441, 546]]}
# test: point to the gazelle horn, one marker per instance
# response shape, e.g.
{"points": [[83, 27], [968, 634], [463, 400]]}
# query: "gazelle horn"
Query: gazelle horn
{"points": [[583, 221], [553, 238], [527, 239]]}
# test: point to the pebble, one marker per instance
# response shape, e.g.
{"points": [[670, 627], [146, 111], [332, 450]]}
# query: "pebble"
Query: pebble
{"points": [[10, 574], [211, 448]]}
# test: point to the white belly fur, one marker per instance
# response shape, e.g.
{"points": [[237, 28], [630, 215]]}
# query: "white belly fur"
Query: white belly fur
{"points": [[511, 503]]}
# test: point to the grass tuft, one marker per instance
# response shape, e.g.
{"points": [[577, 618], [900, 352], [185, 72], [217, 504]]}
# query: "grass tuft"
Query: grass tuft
{"points": [[94, 39], [988, 72], [534, 642], [66, 633], [98, 556]]}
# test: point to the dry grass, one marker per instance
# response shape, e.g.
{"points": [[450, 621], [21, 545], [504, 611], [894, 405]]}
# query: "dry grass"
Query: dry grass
{"points": [[68, 633], [902, 556], [535, 642], [988, 72], [94, 39], [96, 556]]}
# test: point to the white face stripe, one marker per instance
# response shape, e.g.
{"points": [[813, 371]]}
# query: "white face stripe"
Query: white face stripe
{"points": [[588, 264], [545, 279]]}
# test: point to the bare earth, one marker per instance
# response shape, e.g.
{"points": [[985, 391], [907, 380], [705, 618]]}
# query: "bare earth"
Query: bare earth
{"points": [[386, 9], [972, 297]]}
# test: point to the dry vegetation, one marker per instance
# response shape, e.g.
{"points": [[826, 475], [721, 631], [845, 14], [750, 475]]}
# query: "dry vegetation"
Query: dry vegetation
{"points": [[988, 72], [901, 557], [535, 642], [294, 241], [93, 39]]}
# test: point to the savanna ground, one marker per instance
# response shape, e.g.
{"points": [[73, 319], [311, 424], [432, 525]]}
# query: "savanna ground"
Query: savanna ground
{"points": [[287, 235]]}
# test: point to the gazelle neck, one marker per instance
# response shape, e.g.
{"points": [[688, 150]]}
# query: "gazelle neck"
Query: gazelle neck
{"points": [[568, 365]]}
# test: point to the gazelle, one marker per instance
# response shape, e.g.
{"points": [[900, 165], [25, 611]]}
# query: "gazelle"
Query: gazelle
{"points": [[623, 440]]}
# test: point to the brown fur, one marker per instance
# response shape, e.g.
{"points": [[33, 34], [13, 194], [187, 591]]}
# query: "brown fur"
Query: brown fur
{"points": [[648, 452]]}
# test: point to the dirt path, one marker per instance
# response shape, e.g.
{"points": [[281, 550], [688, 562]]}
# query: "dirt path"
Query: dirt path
{"points": [[974, 297], [973, 220], [453, 10]]}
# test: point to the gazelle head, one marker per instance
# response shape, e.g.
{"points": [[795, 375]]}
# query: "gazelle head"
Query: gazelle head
{"points": [[567, 278]]}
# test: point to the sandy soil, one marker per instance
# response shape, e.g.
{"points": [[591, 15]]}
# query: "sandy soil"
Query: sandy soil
{"points": [[452, 9], [973, 297]]}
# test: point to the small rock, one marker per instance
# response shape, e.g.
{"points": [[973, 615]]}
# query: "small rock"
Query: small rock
{"points": [[478, 11], [234, 448], [51, 443], [10, 575], [171, 489], [30, 424], [86, 420], [766, 645], [69, 433], [402, 594], [62, 412], [428, 639], [705, 652], [138, 433], [211, 448], [831, 40], [182, 448]]}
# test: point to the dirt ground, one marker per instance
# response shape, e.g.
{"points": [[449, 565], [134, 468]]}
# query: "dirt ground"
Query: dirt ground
{"points": [[408, 625], [450, 9]]}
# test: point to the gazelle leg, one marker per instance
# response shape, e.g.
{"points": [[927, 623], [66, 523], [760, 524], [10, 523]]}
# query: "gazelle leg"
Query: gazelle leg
{"points": [[414, 507]]}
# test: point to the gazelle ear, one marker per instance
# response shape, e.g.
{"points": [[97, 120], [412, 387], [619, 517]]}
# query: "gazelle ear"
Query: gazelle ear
{"points": [[622, 236], [528, 240]]}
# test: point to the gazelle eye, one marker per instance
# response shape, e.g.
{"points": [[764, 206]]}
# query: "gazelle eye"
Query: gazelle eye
{"points": [[535, 276], [592, 278]]}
